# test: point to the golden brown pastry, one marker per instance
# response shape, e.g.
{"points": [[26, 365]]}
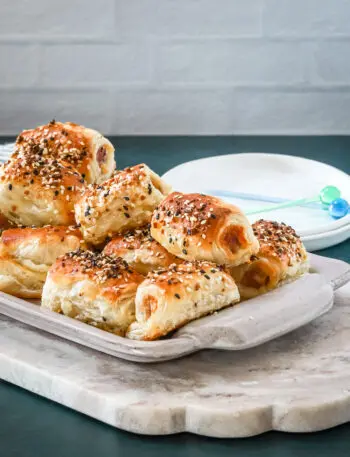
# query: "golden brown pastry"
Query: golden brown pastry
{"points": [[124, 202], [93, 288], [168, 299], [282, 257], [39, 191], [200, 227], [5, 223], [89, 152], [140, 250], [26, 255]]}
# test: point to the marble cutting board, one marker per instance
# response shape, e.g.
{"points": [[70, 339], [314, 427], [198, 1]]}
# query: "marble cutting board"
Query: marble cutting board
{"points": [[299, 382]]}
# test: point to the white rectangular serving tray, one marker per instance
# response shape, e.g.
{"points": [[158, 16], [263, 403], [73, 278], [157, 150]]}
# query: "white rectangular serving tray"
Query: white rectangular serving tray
{"points": [[239, 327]]}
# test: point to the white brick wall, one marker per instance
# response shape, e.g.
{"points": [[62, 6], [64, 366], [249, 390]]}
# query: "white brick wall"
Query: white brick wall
{"points": [[177, 66]]}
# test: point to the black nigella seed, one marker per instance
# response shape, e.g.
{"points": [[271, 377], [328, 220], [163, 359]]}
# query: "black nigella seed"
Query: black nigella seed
{"points": [[149, 189], [213, 271], [83, 175], [127, 215], [213, 216], [126, 198], [125, 207], [36, 172], [157, 216], [69, 188], [184, 251], [170, 282], [56, 192], [189, 232], [87, 212], [32, 181], [177, 296], [202, 271], [170, 240], [10, 186], [207, 276], [168, 213]]}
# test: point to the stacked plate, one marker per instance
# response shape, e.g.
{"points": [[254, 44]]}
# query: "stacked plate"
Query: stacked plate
{"points": [[253, 181], [5, 151]]}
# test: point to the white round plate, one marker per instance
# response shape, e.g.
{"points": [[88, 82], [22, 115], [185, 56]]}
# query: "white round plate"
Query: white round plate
{"points": [[5, 151], [242, 178], [327, 239]]}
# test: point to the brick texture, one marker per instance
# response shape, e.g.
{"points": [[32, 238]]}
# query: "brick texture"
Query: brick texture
{"points": [[177, 66], [39, 18], [231, 62], [307, 18], [80, 65]]}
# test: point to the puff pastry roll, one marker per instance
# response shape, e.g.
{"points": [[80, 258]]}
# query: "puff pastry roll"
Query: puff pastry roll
{"points": [[39, 191], [89, 152], [26, 255], [5, 223], [140, 250], [200, 227], [282, 257], [168, 299], [93, 288], [124, 202]]}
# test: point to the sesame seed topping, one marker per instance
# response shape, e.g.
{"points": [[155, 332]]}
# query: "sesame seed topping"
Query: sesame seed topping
{"points": [[279, 240], [97, 265]]}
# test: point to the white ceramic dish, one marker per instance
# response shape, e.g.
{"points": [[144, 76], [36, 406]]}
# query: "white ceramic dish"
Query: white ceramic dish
{"points": [[272, 175], [324, 240], [243, 326], [5, 151]]}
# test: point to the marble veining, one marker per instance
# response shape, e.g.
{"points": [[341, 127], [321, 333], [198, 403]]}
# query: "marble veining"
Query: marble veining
{"points": [[299, 382]]}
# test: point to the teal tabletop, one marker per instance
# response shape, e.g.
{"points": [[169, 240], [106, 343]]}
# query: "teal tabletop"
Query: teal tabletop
{"points": [[31, 426]]}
